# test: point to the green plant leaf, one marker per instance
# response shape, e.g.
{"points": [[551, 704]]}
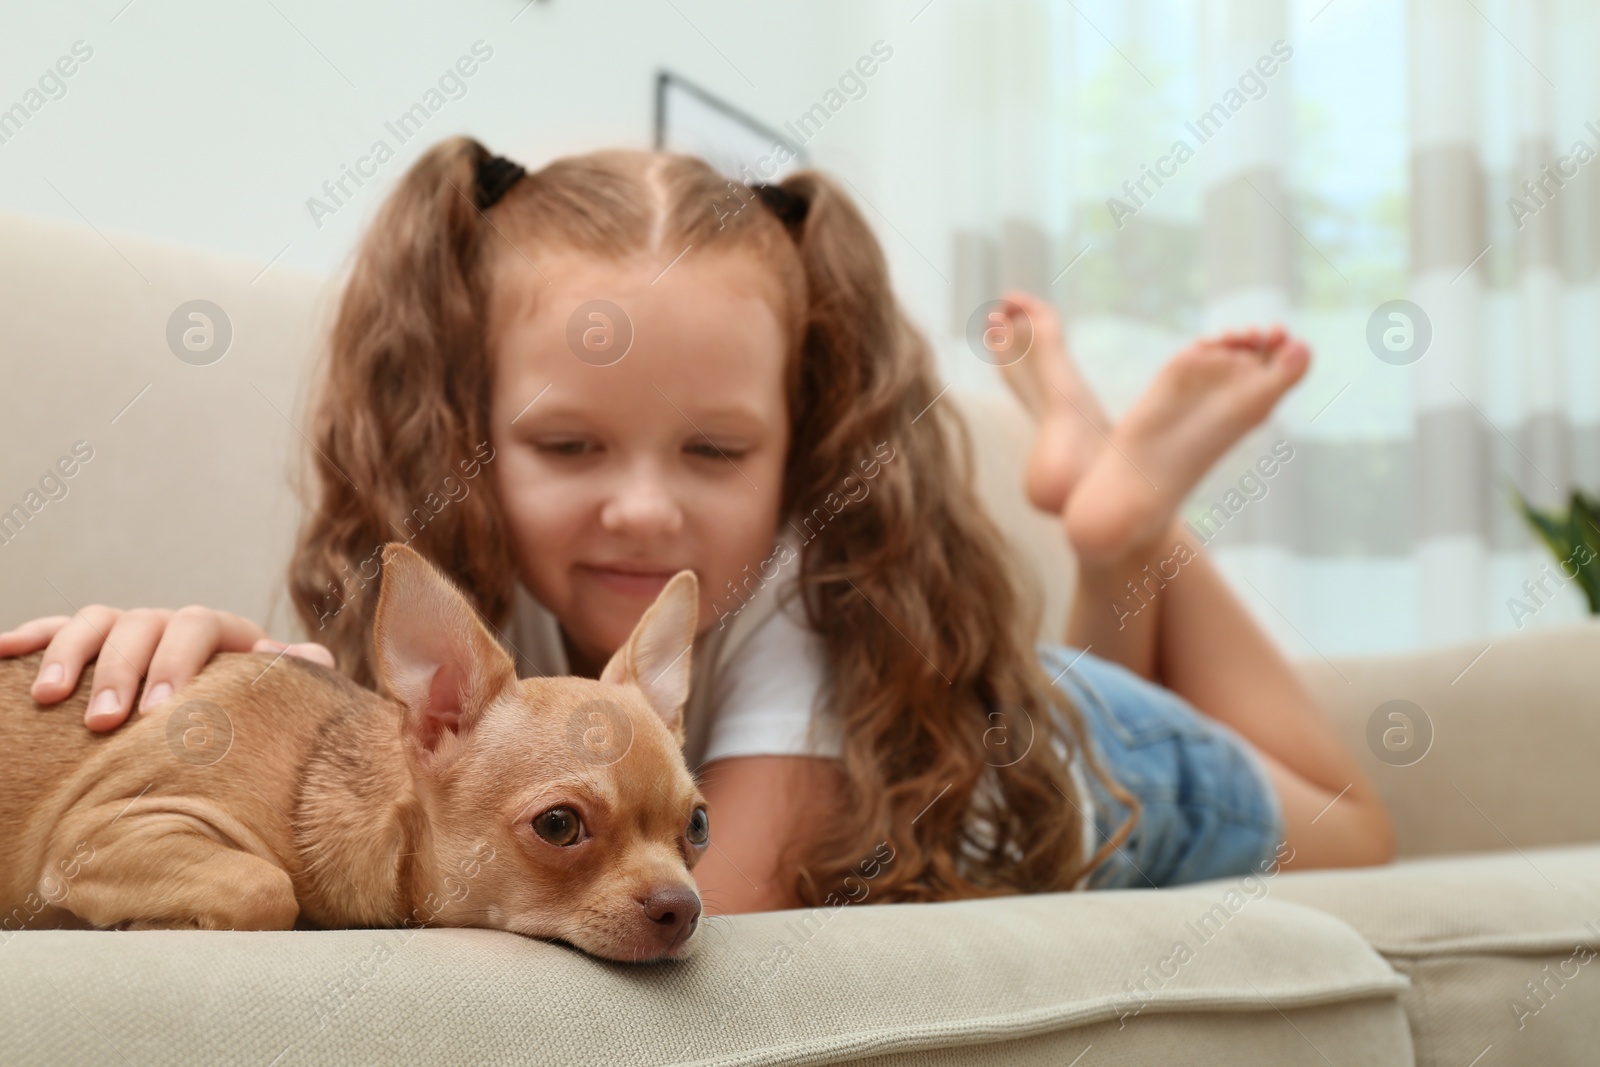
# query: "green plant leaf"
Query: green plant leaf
{"points": [[1573, 538]]}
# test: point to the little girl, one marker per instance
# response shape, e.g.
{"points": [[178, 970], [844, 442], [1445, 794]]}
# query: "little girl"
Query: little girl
{"points": [[660, 369]]}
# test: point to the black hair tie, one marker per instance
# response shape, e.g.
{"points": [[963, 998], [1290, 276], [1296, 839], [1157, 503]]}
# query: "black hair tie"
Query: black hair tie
{"points": [[496, 174], [791, 208]]}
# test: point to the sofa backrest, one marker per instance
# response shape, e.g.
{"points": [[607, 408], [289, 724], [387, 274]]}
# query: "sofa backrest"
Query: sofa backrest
{"points": [[188, 494], [185, 498]]}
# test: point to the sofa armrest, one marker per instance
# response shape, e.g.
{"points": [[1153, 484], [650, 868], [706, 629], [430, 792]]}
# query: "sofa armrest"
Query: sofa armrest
{"points": [[1515, 726]]}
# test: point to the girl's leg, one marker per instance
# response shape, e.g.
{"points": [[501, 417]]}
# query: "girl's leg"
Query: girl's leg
{"points": [[1149, 599], [1196, 638], [1073, 430], [1215, 656]]}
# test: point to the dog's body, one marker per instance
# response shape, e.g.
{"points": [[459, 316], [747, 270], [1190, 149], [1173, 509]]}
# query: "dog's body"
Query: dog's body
{"points": [[79, 808], [272, 792]]}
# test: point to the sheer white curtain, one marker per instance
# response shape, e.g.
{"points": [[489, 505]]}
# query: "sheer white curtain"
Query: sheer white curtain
{"points": [[1339, 157]]}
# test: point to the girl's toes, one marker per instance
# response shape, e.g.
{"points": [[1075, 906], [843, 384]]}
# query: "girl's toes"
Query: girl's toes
{"points": [[1288, 364], [1257, 340]]}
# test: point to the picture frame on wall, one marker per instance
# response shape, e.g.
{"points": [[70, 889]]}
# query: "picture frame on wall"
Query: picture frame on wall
{"points": [[695, 121]]}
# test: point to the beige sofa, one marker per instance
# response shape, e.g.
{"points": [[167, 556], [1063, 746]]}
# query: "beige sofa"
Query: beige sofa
{"points": [[1496, 902]]}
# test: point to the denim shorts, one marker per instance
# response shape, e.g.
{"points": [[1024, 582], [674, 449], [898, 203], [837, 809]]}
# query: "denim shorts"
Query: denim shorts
{"points": [[1209, 810]]}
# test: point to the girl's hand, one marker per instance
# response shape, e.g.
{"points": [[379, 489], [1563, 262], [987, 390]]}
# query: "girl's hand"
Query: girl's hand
{"points": [[168, 647]]}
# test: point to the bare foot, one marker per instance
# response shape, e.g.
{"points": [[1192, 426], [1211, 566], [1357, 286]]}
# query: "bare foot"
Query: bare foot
{"points": [[1206, 398], [1072, 425]]}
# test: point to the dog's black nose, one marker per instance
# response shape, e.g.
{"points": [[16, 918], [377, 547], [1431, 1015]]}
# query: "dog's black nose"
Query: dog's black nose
{"points": [[675, 909]]}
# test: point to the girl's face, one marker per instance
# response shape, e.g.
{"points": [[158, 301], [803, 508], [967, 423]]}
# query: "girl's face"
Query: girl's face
{"points": [[615, 477]]}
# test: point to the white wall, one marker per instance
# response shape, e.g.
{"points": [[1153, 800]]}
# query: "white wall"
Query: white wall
{"points": [[210, 125]]}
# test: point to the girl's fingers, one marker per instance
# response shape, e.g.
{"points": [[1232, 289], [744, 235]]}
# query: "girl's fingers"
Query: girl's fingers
{"points": [[192, 637], [77, 642], [166, 647], [31, 636], [121, 666]]}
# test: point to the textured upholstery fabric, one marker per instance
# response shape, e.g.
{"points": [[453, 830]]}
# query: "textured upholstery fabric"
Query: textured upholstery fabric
{"points": [[795, 987], [188, 497], [1502, 950], [1514, 739]]}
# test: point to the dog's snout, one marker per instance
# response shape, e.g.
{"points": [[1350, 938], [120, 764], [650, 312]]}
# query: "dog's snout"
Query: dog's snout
{"points": [[674, 908]]}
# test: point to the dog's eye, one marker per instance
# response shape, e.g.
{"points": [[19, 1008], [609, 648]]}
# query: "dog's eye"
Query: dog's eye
{"points": [[559, 826], [699, 827]]}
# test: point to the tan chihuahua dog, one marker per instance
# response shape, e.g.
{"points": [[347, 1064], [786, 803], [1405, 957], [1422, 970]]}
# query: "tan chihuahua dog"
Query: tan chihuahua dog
{"points": [[274, 791]]}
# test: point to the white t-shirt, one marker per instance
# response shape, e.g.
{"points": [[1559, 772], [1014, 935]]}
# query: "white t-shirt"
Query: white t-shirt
{"points": [[755, 680], [768, 700]]}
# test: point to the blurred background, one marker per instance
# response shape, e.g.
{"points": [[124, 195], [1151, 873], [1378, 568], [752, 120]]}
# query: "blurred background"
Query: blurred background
{"points": [[1408, 184]]}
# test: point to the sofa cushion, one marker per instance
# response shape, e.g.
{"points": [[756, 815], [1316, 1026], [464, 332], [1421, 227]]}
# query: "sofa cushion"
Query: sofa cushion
{"points": [[1503, 950], [1016, 980]]}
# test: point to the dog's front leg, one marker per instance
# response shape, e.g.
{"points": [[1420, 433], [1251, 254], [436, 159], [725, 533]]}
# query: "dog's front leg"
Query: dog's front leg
{"points": [[160, 871]]}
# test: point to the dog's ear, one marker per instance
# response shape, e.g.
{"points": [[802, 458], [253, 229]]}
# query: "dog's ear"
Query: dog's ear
{"points": [[435, 656], [656, 656]]}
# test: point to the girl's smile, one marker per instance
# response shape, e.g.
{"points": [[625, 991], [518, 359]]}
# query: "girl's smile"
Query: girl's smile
{"points": [[624, 579]]}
